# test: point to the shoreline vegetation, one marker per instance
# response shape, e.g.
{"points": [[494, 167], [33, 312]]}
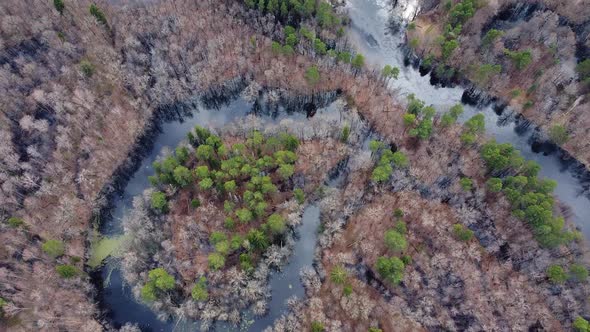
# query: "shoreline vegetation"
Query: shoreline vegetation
{"points": [[88, 88], [520, 54]]}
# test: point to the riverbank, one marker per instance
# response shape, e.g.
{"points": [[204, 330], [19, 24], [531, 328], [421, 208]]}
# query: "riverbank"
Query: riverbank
{"points": [[546, 90]]}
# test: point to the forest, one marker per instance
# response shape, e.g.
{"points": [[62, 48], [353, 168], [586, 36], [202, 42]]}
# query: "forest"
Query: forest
{"points": [[172, 153]]}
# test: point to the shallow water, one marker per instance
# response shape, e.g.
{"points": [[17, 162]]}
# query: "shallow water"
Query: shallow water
{"points": [[371, 35]]}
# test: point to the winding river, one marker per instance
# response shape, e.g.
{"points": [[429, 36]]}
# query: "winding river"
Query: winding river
{"points": [[371, 35]]}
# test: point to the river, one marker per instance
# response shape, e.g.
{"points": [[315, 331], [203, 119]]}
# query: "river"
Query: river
{"points": [[371, 35]]}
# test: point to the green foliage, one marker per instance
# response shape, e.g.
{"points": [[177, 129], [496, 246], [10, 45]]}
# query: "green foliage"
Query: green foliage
{"points": [[491, 36], [53, 248], [162, 279], [276, 224], [206, 183], [452, 115], [199, 292], [466, 184], [423, 115], [390, 72], [448, 47], [462, 233], [257, 239], [286, 170], [556, 274], [485, 72], [414, 43], [159, 201], [520, 59], [381, 173], [98, 14], [409, 119], [344, 57], [205, 152], [66, 271], [578, 272], [583, 69], [216, 261], [400, 160], [558, 134], [326, 16], [476, 124], [59, 5], [319, 46], [299, 195], [398, 213], [391, 269], [317, 327], [581, 325], [14, 222], [462, 11], [312, 75], [494, 185], [182, 176], [374, 329], [87, 68], [347, 290], [500, 156], [244, 215], [395, 241], [358, 61], [345, 133], [217, 237], [159, 281], [148, 292], [338, 275]]}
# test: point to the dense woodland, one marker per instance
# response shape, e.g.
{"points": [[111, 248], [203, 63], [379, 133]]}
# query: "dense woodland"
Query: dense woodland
{"points": [[533, 55], [83, 84]]}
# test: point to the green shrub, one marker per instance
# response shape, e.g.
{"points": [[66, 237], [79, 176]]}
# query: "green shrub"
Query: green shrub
{"points": [[216, 261], [556, 274], [345, 133], [581, 325], [317, 327], [395, 241], [578, 272], [520, 59], [199, 292], [53, 248], [558, 134], [276, 224], [87, 68], [358, 61], [59, 5], [195, 203], [14, 222], [494, 185], [159, 202], [390, 269], [491, 36], [466, 184], [462, 233], [299, 195], [312, 75], [66, 271], [98, 14], [338, 275]]}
